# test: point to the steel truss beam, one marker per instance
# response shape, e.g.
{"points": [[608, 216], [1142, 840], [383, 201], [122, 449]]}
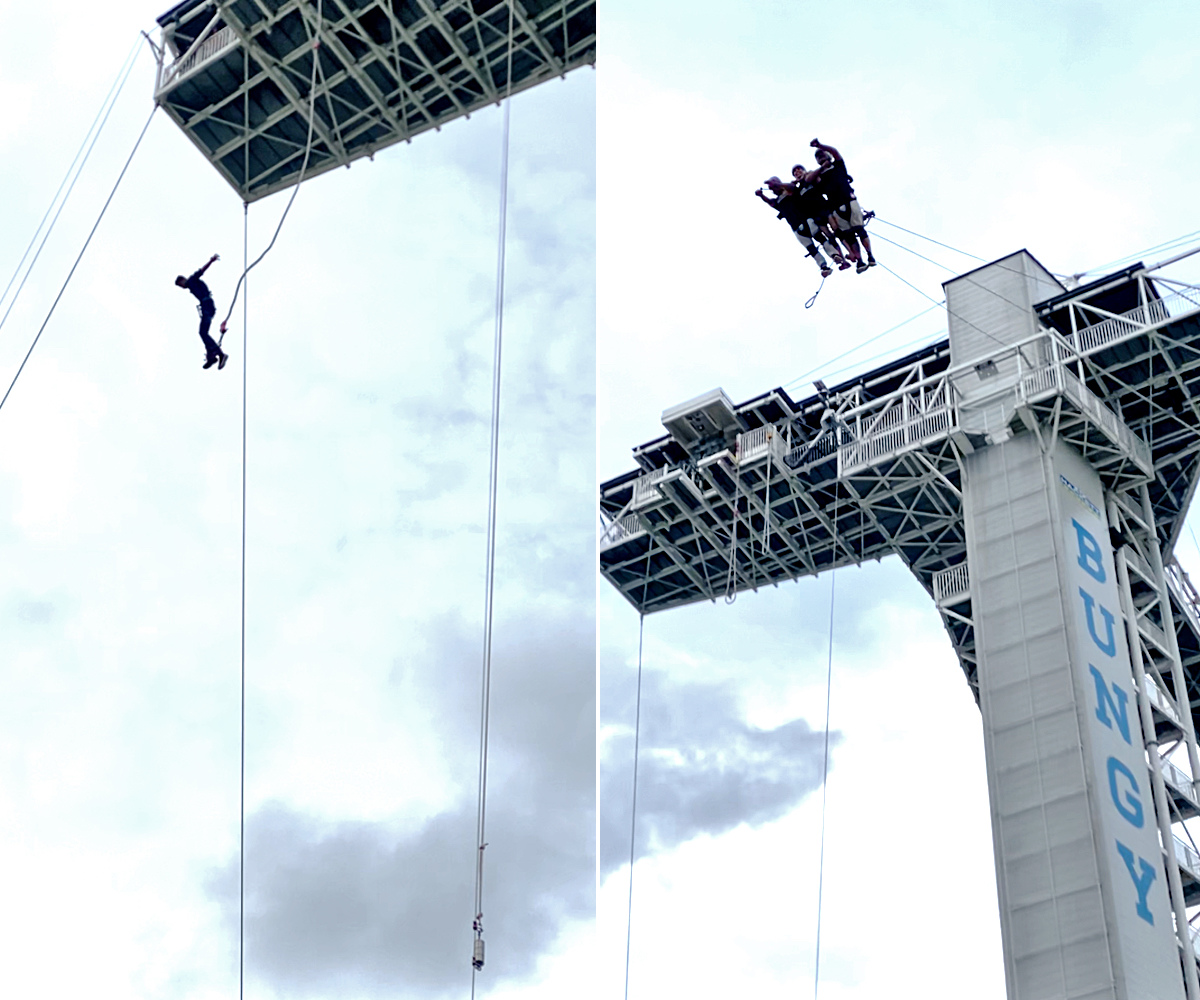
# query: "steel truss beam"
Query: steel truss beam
{"points": [[876, 467], [387, 70], [1122, 388]]}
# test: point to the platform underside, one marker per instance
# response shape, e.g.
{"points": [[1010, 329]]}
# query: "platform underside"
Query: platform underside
{"points": [[792, 500], [239, 82]]}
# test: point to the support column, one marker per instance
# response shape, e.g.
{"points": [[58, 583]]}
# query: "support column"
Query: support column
{"points": [[1084, 907]]}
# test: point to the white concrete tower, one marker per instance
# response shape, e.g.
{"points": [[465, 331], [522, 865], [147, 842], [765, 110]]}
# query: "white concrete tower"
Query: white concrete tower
{"points": [[1034, 472]]}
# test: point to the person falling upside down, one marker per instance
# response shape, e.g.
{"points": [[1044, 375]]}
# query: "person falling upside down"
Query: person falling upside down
{"points": [[207, 309], [847, 216], [793, 210]]}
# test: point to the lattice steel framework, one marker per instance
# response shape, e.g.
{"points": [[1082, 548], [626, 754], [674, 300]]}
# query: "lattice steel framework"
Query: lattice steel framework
{"points": [[738, 497], [872, 467], [235, 75]]}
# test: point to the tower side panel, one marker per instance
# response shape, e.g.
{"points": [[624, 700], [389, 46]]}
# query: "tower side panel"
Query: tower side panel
{"points": [[992, 307], [1063, 904], [1047, 872], [1141, 922]]}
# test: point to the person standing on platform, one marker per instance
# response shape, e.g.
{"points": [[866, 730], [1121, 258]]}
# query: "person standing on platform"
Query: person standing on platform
{"points": [[207, 309]]}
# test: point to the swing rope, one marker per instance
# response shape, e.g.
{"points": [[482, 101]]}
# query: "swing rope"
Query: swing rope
{"points": [[824, 788], [242, 793], [312, 107], [637, 735], [477, 954], [809, 303]]}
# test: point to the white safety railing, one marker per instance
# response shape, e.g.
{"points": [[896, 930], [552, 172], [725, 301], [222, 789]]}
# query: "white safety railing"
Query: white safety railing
{"points": [[1113, 328], [951, 584], [620, 531], [208, 48], [900, 422], [1180, 584], [1178, 779], [1041, 380], [760, 442], [1160, 700], [1116, 428], [1186, 858], [645, 488]]}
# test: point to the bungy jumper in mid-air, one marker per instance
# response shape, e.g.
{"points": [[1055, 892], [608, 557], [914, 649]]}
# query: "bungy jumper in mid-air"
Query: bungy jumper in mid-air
{"points": [[207, 309]]}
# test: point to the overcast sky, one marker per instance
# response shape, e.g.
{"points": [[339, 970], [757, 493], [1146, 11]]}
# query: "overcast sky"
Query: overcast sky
{"points": [[370, 339], [1067, 129]]}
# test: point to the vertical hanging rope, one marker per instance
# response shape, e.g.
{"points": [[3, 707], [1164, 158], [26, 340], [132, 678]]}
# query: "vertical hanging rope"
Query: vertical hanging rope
{"points": [[824, 788], [312, 110], [477, 955], [637, 735], [242, 799]]}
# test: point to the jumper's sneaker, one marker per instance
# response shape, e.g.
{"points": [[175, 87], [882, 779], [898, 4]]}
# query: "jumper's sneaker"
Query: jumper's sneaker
{"points": [[826, 270], [221, 362], [210, 361], [870, 262], [862, 266], [843, 264]]}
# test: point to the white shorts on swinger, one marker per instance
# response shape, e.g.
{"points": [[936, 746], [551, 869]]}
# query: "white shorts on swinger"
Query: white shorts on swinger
{"points": [[852, 218]]}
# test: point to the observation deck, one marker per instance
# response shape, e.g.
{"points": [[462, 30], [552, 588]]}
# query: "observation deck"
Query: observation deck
{"points": [[737, 497], [235, 76]]}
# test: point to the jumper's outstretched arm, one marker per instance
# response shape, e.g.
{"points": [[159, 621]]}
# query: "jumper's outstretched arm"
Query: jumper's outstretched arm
{"points": [[816, 143]]}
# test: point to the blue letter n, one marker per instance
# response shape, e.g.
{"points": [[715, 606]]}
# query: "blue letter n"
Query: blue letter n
{"points": [[1117, 704]]}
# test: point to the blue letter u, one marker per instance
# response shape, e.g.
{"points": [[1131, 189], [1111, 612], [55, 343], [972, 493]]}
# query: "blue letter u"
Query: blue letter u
{"points": [[1108, 645]]}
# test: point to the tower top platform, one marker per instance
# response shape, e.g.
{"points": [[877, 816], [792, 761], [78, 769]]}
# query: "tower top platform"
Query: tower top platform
{"points": [[871, 467], [737, 497], [235, 74]]}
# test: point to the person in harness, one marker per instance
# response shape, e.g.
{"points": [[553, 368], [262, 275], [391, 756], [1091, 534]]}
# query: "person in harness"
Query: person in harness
{"points": [[834, 182], [818, 215], [207, 309], [795, 211]]}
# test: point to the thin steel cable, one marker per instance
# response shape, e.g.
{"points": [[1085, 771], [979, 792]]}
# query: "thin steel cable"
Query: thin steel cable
{"points": [[1177, 241], [858, 347], [926, 340], [824, 789], [912, 286], [71, 274], [637, 735], [731, 579], [101, 118], [880, 236], [990, 336], [493, 480], [920, 237], [312, 107], [242, 789]]}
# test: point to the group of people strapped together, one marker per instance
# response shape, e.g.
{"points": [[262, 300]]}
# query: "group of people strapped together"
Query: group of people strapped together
{"points": [[821, 208]]}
